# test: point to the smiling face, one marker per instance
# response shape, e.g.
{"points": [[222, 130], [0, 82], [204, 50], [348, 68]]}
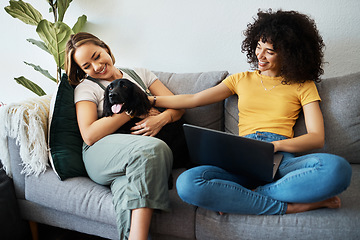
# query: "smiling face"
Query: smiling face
{"points": [[96, 62], [268, 59]]}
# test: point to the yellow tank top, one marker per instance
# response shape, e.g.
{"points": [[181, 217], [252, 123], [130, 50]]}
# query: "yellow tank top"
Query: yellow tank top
{"points": [[267, 105]]}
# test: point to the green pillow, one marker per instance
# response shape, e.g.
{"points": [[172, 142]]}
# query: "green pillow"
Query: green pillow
{"points": [[65, 141]]}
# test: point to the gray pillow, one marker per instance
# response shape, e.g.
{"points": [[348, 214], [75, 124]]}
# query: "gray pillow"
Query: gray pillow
{"points": [[341, 110], [210, 116], [231, 115]]}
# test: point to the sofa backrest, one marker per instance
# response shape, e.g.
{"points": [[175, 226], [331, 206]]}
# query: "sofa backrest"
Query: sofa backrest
{"points": [[211, 116], [340, 106]]}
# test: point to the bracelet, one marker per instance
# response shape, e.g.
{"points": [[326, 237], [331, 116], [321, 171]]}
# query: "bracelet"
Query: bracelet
{"points": [[129, 114], [154, 102]]}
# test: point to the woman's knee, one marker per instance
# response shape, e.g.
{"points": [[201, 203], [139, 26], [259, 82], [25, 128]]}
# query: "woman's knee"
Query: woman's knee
{"points": [[343, 171], [339, 170], [184, 185], [151, 156], [189, 182], [161, 153], [162, 147]]}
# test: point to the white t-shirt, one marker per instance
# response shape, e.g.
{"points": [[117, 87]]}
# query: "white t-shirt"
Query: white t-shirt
{"points": [[88, 90]]}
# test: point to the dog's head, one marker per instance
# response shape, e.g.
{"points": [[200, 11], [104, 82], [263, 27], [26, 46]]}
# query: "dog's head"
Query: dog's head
{"points": [[123, 95]]}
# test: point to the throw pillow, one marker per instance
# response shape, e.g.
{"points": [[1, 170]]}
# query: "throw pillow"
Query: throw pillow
{"points": [[65, 141], [340, 107]]}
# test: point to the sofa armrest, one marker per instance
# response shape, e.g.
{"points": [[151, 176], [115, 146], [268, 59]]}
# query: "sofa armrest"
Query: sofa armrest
{"points": [[16, 166], [27, 123]]}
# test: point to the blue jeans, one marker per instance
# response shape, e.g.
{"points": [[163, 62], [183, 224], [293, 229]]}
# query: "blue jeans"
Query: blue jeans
{"points": [[304, 179]]}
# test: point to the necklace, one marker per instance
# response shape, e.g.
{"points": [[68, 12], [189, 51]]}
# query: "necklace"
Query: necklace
{"points": [[266, 89]]}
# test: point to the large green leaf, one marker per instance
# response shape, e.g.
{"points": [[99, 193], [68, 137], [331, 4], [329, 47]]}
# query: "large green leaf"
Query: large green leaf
{"points": [[79, 24], [30, 85], [40, 44], [62, 7], [41, 70], [24, 11], [55, 37]]}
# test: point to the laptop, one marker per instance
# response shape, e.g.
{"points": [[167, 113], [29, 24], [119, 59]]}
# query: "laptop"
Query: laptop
{"points": [[236, 154]]}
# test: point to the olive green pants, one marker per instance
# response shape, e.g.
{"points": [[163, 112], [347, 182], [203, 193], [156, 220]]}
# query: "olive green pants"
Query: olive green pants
{"points": [[137, 169]]}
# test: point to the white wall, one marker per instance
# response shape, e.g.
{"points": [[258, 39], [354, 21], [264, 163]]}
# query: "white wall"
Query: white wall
{"points": [[175, 36]]}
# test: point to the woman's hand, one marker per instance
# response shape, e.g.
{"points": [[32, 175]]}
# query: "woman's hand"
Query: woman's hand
{"points": [[154, 120], [152, 124], [275, 143]]}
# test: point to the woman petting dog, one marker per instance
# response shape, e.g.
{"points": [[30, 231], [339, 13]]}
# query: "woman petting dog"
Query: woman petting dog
{"points": [[136, 168], [286, 51]]}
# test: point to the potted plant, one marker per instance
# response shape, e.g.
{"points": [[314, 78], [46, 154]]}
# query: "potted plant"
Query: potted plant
{"points": [[54, 35]]}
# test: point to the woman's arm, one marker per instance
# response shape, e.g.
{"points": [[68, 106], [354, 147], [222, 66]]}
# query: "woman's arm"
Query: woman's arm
{"points": [[315, 136], [159, 89], [151, 125], [205, 97], [93, 129]]}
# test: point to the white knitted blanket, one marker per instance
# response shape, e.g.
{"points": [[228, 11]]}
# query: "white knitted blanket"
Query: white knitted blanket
{"points": [[27, 122]]}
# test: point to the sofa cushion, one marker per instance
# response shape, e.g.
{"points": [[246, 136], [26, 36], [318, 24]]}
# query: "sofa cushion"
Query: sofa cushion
{"points": [[65, 141], [52, 217], [180, 221], [86, 199], [79, 196], [341, 97], [340, 107], [231, 115], [211, 116]]}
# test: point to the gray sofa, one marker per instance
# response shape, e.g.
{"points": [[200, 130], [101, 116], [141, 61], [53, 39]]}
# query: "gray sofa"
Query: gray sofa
{"points": [[82, 205]]}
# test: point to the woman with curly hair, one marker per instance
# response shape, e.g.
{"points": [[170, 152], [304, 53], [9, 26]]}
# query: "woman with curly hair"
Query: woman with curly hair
{"points": [[286, 51]]}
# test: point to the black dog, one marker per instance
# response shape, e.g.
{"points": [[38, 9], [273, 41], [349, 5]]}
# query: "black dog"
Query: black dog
{"points": [[123, 95]]}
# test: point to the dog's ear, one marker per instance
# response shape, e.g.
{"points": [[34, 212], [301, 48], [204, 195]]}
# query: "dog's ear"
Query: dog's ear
{"points": [[107, 106], [140, 104]]}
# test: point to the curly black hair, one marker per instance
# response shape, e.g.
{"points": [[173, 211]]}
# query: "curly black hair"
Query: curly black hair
{"points": [[295, 38]]}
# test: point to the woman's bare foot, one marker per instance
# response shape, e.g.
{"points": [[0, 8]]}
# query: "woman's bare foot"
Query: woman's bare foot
{"points": [[333, 202]]}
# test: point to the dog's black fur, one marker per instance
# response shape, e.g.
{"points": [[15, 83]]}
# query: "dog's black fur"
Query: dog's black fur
{"points": [[125, 92], [136, 102]]}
